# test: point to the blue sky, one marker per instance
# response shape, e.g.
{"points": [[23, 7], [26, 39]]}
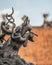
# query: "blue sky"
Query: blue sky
{"points": [[33, 8]]}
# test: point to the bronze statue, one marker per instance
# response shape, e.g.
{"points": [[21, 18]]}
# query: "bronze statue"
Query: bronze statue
{"points": [[18, 37]]}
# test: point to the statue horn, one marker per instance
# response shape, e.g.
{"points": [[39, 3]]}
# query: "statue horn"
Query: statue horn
{"points": [[8, 15], [12, 11]]}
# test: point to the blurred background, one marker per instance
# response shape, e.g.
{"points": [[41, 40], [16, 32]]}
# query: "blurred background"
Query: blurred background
{"points": [[32, 8]]}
